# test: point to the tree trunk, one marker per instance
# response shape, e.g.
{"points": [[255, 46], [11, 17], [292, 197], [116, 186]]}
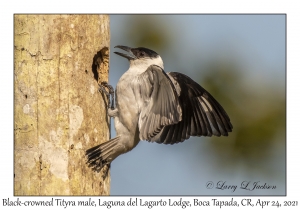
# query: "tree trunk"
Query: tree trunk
{"points": [[58, 111]]}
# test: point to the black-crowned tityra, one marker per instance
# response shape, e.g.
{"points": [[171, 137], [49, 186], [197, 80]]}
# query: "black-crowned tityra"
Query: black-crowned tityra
{"points": [[157, 107]]}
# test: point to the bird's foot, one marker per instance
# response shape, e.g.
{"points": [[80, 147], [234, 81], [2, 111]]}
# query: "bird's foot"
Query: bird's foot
{"points": [[112, 112], [110, 92]]}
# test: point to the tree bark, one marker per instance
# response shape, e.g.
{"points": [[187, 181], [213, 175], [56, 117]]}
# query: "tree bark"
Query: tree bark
{"points": [[58, 111]]}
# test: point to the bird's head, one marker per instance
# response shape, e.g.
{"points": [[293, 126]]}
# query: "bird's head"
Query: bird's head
{"points": [[140, 56]]}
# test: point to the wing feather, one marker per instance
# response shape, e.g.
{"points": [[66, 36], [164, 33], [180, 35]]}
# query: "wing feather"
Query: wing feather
{"points": [[158, 102], [202, 115]]}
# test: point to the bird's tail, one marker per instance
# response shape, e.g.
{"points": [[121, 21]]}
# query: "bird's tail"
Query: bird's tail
{"points": [[101, 155]]}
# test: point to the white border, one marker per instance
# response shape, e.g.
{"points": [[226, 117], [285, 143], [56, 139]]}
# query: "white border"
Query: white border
{"points": [[153, 6]]}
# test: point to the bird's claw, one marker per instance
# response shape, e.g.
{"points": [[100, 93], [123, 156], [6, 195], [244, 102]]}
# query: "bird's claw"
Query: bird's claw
{"points": [[108, 93]]}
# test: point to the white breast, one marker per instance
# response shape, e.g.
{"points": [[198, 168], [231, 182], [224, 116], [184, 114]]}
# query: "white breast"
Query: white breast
{"points": [[138, 66]]}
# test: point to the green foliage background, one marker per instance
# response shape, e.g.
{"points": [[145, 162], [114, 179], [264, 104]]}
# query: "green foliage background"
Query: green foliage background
{"points": [[255, 103]]}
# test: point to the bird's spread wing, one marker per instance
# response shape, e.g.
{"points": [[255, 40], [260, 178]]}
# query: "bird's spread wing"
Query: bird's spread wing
{"points": [[202, 115], [157, 100]]}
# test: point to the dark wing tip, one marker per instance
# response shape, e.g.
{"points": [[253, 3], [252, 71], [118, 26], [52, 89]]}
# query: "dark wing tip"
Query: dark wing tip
{"points": [[202, 115]]}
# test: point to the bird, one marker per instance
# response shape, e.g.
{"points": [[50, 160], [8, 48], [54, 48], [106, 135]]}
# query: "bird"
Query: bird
{"points": [[155, 106]]}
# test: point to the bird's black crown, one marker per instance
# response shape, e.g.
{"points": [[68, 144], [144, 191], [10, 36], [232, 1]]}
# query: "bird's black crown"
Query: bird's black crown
{"points": [[142, 52]]}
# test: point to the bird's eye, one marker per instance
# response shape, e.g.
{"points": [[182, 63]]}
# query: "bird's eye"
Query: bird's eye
{"points": [[142, 53]]}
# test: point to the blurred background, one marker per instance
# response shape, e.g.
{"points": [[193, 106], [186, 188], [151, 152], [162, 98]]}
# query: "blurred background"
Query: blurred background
{"points": [[241, 61]]}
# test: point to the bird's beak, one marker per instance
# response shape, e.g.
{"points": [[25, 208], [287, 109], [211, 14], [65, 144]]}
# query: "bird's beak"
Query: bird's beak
{"points": [[129, 56]]}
